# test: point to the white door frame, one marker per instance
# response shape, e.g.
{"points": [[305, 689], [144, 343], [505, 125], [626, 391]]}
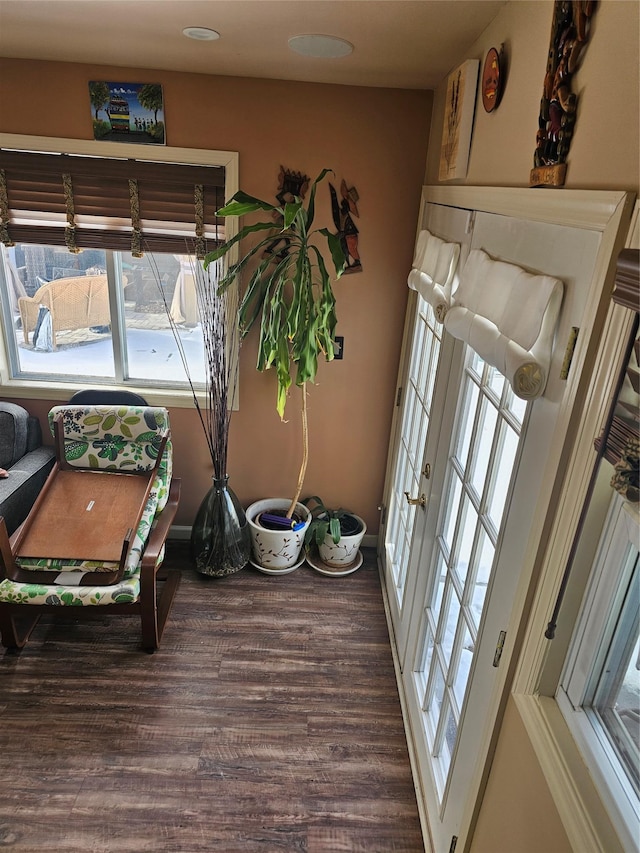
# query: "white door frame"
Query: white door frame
{"points": [[606, 212]]}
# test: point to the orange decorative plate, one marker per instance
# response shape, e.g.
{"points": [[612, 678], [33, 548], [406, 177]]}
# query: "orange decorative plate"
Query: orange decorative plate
{"points": [[491, 81]]}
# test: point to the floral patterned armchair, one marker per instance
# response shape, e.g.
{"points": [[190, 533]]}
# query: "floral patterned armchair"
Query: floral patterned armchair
{"points": [[107, 440]]}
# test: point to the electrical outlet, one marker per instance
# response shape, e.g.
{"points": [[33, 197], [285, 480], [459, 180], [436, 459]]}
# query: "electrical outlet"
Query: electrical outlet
{"points": [[338, 347]]}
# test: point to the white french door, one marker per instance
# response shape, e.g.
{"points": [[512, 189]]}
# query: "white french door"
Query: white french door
{"points": [[469, 481], [411, 488]]}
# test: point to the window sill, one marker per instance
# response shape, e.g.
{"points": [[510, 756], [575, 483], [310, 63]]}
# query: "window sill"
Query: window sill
{"points": [[58, 392], [583, 814]]}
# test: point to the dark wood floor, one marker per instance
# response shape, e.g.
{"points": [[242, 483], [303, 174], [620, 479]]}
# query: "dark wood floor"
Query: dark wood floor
{"points": [[268, 721]]}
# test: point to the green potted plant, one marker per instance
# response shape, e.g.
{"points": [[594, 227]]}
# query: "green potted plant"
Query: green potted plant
{"points": [[289, 293], [336, 534]]}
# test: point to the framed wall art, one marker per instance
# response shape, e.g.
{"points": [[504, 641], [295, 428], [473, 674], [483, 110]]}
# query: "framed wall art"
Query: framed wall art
{"points": [[127, 112], [459, 110]]}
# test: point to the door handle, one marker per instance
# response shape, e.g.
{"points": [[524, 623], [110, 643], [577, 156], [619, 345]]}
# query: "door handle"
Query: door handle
{"points": [[421, 501]]}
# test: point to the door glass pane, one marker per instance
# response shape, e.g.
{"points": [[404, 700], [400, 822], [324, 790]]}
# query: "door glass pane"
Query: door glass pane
{"points": [[462, 674], [451, 510], [508, 447], [515, 405], [439, 587], [449, 626], [438, 691], [486, 553], [495, 381], [482, 445], [466, 534], [465, 430], [451, 731]]}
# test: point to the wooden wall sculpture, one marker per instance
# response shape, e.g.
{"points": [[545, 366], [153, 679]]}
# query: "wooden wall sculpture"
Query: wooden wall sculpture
{"points": [[343, 211], [569, 35]]}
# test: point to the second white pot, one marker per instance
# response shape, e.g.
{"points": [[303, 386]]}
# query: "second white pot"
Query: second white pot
{"points": [[345, 551]]}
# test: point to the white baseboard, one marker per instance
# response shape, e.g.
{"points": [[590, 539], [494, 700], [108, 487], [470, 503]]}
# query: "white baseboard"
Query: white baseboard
{"points": [[183, 533]]}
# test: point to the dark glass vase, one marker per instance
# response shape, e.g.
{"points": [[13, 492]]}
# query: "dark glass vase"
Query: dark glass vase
{"points": [[220, 538]]}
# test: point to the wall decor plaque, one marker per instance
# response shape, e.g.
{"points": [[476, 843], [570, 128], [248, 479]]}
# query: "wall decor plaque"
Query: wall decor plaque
{"points": [[460, 106], [569, 35], [492, 80]]}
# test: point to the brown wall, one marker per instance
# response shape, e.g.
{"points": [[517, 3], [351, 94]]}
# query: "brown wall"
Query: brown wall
{"points": [[376, 139]]}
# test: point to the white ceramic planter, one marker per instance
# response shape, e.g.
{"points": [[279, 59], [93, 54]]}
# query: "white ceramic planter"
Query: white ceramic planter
{"points": [[276, 550], [345, 551]]}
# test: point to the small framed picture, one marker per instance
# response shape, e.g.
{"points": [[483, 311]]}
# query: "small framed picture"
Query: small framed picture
{"points": [[127, 112]]}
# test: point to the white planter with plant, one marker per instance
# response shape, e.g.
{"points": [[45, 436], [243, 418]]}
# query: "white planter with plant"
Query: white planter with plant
{"points": [[289, 289], [337, 534]]}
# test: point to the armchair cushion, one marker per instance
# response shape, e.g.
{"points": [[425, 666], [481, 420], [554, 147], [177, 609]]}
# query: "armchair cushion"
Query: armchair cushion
{"points": [[112, 437]]}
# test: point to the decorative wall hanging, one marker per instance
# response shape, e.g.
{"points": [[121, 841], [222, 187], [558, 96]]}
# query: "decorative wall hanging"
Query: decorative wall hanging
{"points": [[569, 35], [458, 120], [134, 112], [290, 185], [492, 79], [343, 211]]}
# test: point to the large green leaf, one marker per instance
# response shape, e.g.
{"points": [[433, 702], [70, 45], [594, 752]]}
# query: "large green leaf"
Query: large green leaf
{"points": [[284, 377], [242, 203], [311, 208], [291, 210], [337, 254], [222, 250]]}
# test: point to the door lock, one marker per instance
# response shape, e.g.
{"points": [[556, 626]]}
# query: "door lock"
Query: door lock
{"points": [[421, 501]]}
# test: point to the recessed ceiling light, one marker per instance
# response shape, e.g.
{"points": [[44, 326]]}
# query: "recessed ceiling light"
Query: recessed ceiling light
{"points": [[325, 47], [200, 33]]}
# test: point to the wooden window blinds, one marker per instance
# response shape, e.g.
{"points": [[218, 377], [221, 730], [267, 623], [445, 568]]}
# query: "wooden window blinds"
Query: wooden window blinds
{"points": [[99, 202]]}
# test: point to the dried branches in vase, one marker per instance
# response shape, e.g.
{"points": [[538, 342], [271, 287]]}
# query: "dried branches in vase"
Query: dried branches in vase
{"points": [[220, 540]]}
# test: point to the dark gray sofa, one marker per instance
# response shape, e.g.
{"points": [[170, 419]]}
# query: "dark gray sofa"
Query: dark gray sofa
{"points": [[26, 460]]}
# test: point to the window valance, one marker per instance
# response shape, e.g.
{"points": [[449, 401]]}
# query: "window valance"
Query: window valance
{"points": [[508, 316], [433, 269], [105, 202]]}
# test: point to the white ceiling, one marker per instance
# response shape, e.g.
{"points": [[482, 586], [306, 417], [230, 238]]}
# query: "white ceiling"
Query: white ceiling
{"points": [[397, 43]]}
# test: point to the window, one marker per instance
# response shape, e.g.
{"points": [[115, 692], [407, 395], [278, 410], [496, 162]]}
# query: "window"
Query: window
{"points": [[100, 316], [579, 695], [101, 243], [599, 692]]}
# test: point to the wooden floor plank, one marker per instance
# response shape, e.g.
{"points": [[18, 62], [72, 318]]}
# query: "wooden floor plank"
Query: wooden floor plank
{"points": [[268, 721]]}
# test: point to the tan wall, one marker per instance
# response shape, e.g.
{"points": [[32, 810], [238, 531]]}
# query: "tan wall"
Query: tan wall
{"points": [[517, 814], [374, 138], [604, 149]]}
